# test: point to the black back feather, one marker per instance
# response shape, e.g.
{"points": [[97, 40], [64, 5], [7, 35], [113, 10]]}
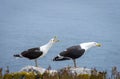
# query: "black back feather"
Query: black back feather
{"points": [[73, 52], [32, 53]]}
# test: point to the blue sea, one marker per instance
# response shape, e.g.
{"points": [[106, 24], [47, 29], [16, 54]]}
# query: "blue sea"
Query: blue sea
{"points": [[32, 23]]}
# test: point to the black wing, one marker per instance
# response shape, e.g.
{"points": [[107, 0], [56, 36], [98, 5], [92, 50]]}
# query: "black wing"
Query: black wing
{"points": [[32, 53], [73, 52]]}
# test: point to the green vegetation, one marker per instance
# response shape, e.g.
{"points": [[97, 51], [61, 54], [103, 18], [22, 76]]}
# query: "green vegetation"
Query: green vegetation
{"points": [[62, 74]]}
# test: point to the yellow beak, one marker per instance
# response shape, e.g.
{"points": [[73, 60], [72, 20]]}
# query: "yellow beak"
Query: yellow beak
{"points": [[98, 45], [55, 39]]}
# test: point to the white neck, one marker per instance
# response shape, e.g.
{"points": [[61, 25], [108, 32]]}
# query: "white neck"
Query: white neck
{"points": [[87, 46], [46, 47]]}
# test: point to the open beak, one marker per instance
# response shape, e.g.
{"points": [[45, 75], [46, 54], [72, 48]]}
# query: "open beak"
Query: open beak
{"points": [[55, 39], [98, 45]]}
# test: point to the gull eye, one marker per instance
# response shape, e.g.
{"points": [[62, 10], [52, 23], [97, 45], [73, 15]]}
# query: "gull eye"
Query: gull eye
{"points": [[53, 40]]}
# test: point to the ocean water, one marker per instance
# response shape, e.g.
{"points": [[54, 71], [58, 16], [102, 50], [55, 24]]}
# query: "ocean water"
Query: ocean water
{"points": [[31, 23]]}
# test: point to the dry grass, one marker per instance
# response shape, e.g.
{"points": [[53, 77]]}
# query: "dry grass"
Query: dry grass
{"points": [[62, 74]]}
